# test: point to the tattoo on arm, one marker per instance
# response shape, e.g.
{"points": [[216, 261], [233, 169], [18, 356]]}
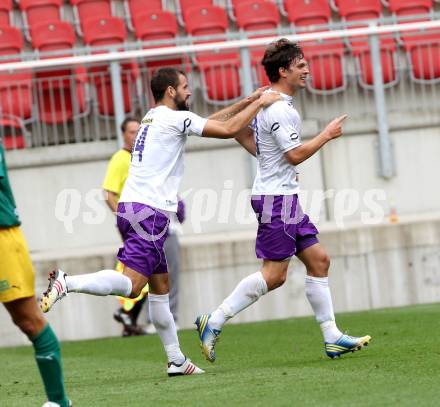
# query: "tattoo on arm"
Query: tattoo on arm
{"points": [[230, 111]]}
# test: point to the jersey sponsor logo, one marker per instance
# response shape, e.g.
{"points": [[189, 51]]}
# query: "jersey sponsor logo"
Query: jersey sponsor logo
{"points": [[294, 136], [186, 124], [4, 285], [275, 127]]}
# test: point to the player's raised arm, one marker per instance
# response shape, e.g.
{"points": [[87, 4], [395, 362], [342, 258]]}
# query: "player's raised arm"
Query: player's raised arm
{"points": [[230, 111], [303, 152], [230, 127]]}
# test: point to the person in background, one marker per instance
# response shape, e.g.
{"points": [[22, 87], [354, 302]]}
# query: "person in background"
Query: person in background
{"points": [[17, 293], [117, 173]]}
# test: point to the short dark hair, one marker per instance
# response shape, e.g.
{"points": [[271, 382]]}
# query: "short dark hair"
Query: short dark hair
{"points": [[163, 78], [280, 54], [127, 120]]}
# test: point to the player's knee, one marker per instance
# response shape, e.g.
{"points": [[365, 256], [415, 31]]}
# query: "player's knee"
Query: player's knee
{"points": [[320, 266], [135, 291], [325, 263], [159, 286], [282, 278], [137, 285], [30, 325], [276, 280]]}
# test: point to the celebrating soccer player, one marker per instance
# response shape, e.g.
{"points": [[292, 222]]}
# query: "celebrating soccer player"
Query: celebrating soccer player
{"points": [[284, 230]]}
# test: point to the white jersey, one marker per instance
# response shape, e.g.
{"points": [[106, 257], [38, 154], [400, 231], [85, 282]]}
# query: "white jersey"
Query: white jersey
{"points": [[156, 167], [277, 129]]}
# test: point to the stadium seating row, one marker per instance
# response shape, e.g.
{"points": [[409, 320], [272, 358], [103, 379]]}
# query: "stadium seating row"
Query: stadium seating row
{"points": [[61, 98], [308, 12]]}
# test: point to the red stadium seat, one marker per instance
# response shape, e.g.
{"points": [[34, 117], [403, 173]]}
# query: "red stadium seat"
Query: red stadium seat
{"points": [[357, 13], [59, 98], [155, 26], [306, 14], [105, 32], [423, 52], [326, 66], [210, 20], [361, 51], [102, 31], [11, 133], [422, 47], [53, 36], [184, 5], [219, 71], [233, 4], [360, 10], [39, 11], [221, 77], [15, 87], [5, 9], [135, 8], [335, 4], [85, 10], [257, 15], [11, 42], [325, 57], [406, 8]]}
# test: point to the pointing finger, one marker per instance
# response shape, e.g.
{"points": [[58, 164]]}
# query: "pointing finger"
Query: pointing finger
{"points": [[340, 119]]}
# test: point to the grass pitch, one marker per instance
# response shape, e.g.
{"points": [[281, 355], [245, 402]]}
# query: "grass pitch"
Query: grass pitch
{"points": [[276, 363]]}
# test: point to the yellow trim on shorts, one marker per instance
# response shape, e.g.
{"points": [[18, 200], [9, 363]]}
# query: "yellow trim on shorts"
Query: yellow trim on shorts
{"points": [[17, 277]]}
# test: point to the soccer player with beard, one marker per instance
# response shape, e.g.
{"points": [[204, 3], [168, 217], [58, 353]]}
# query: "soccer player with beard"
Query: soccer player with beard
{"points": [[284, 230], [149, 194]]}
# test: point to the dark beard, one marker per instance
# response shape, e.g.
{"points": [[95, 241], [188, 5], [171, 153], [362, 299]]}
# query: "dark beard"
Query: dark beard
{"points": [[181, 104]]}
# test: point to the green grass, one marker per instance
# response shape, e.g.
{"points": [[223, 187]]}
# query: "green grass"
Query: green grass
{"points": [[276, 363]]}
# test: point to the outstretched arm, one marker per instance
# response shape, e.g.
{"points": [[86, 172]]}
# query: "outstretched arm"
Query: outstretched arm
{"points": [[230, 111], [231, 127], [306, 150]]}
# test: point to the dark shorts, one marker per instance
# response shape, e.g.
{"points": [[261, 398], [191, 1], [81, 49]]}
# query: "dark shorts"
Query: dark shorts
{"points": [[283, 229], [144, 230]]}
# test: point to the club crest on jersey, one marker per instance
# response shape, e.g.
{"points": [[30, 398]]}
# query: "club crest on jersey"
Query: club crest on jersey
{"points": [[147, 121], [186, 124]]}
